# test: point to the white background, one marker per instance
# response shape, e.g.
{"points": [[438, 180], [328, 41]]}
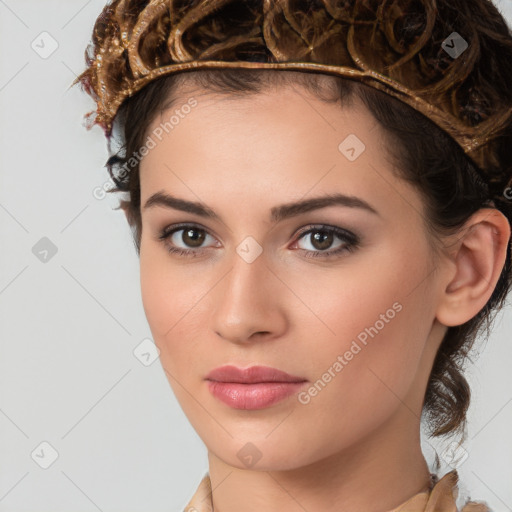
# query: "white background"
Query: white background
{"points": [[68, 327]]}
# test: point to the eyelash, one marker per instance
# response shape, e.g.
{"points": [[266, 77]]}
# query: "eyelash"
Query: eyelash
{"points": [[351, 241]]}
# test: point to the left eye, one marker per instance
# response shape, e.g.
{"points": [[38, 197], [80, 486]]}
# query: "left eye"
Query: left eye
{"points": [[194, 236], [323, 237]]}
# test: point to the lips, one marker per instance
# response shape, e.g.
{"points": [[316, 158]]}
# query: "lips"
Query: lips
{"points": [[256, 387], [251, 375]]}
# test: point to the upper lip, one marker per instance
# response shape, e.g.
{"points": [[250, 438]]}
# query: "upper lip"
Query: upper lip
{"points": [[251, 375]]}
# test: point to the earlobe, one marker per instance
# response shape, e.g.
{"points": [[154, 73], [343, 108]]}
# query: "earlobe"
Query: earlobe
{"points": [[478, 256], [124, 205]]}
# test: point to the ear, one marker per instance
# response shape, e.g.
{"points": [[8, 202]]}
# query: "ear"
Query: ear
{"points": [[476, 260], [124, 205]]}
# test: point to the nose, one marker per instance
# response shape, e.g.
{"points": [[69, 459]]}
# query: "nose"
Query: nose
{"points": [[248, 303]]}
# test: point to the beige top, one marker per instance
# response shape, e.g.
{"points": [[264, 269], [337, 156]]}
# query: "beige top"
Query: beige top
{"points": [[441, 498]]}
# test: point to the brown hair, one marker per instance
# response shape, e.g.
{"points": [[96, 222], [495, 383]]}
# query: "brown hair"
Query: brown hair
{"points": [[425, 156]]}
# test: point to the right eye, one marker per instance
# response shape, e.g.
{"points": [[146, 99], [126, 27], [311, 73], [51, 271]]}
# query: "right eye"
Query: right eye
{"points": [[190, 234]]}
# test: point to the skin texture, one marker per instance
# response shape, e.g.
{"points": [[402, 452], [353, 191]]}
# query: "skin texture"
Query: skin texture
{"points": [[356, 444]]}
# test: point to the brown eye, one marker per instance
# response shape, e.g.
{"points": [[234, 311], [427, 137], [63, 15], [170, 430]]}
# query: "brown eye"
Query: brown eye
{"points": [[192, 237], [185, 239], [322, 238]]}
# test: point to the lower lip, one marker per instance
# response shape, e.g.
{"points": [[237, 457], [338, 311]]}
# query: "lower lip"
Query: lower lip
{"points": [[253, 396]]}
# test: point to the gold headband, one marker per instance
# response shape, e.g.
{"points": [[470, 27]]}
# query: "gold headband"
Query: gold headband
{"points": [[138, 41]]}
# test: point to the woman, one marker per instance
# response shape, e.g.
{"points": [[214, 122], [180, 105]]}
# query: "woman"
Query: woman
{"points": [[319, 194]]}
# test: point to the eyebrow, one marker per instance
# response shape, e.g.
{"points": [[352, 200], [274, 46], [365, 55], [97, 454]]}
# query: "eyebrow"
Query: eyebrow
{"points": [[277, 213]]}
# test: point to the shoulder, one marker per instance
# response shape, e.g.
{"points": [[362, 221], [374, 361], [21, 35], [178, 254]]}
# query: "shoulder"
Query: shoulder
{"points": [[475, 506], [448, 485], [201, 500]]}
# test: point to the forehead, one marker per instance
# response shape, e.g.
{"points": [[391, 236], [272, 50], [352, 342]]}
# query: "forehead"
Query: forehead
{"points": [[271, 147], [283, 126]]}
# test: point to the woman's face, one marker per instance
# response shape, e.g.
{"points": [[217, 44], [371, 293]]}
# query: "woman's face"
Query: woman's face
{"points": [[357, 326]]}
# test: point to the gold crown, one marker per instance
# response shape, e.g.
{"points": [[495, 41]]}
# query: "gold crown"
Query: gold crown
{"points": [[429, 54]]}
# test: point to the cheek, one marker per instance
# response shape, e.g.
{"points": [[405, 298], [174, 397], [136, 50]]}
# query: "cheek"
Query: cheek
{"points": [[163, 294], [347, 300], [174, 302], [156, 291], [379, 323]]}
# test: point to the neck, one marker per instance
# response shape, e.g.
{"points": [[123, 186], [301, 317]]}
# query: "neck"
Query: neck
{"points": [[377, 474]]}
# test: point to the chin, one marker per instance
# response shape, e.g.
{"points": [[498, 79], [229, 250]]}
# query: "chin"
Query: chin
{"points": [[261, 452]]}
